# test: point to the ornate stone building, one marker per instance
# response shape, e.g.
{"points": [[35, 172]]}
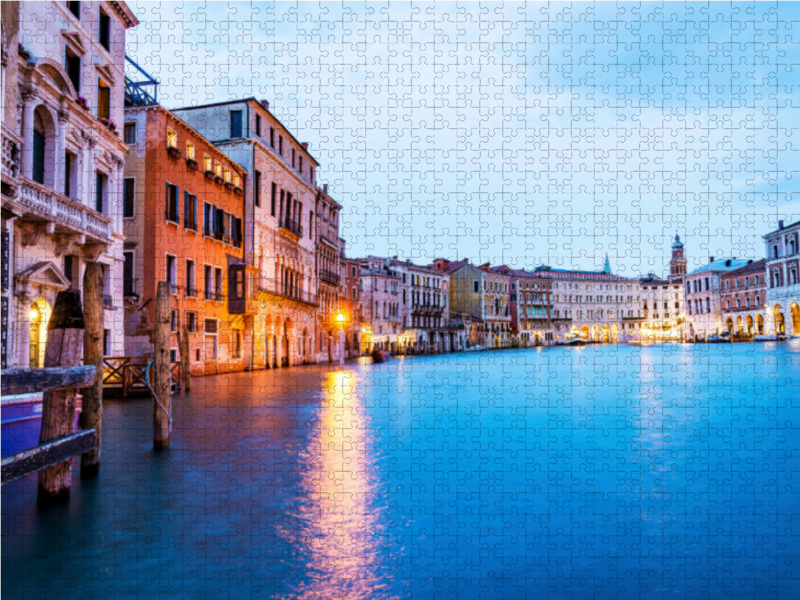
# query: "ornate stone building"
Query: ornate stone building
{"points": [[328, 276], [63, 91], [783, 280], [703, 294], [744, 297]]}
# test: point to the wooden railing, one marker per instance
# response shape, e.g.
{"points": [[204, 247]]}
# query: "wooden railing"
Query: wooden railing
{"points": [[126, 374]]}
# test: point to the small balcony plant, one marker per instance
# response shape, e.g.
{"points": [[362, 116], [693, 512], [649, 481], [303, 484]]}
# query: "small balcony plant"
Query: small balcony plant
{"points": [[173, 152], [23, 52], [219, 179], [238, 191], [110, 124], [192, 163], [82, 102], [209, 174]]}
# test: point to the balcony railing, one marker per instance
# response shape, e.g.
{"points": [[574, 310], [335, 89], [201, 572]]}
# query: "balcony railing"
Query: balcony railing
{"points": [[68, 213], [329, 276], [292, 225], [279, 288]]}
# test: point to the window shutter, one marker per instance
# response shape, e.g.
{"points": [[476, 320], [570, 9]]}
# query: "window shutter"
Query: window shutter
{"points": [[194, 213], [166, 205], [186, 222]]}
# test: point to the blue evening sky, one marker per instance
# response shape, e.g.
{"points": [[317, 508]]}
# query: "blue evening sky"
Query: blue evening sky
{"points": [[516, 133]]}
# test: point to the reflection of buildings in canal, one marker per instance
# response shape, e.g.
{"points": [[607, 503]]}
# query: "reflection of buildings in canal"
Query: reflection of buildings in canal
{"points": [[335, 527]]}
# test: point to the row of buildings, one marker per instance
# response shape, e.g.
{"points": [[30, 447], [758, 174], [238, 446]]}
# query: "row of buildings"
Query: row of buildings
{"points": [[222, 202]]}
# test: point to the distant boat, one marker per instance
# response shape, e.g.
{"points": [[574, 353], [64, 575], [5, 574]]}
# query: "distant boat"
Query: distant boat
{"points": [[714, 339], [770, 338], [378, 356], [574, 342]]}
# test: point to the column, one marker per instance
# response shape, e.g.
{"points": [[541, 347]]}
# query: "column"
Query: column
{"points": [[89, 182], [29, 103], [61, 147]]}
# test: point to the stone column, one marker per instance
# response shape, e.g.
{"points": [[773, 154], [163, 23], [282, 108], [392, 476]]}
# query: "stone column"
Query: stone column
{"points": [[61, 147], [87, 163], [29, 104]]}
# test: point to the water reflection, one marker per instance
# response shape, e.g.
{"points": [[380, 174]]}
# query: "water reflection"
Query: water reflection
{"points": [[334, 525]]}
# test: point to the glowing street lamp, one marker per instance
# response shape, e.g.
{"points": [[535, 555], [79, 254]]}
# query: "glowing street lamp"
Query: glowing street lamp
{"points": [[340, 323]]}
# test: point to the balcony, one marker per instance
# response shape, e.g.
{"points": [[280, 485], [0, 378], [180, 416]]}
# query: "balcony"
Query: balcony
{"points": [[213, 296], [329, 277], [11, 161], [272, 288], [48, 205], [292, 226]]}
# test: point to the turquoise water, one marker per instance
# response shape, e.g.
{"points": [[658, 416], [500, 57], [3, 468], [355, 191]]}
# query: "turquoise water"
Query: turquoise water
{"points": [[595, 472]]}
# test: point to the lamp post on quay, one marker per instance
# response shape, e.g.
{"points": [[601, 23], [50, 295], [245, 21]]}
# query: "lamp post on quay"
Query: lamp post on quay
{"points": [[340, 323]]}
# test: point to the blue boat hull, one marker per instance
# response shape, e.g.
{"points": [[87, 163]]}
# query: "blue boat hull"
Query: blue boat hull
{"points": [[21, 421]]}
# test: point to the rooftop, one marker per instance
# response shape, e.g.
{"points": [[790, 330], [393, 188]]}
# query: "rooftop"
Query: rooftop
{"points": [[722, 264]]}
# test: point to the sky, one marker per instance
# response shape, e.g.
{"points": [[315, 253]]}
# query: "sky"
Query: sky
{"points": [[515, 133]]}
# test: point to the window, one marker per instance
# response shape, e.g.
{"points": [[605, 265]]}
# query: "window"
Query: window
{"points": [[74, 8], [280, 145], [207, 214], [189, 151], [755, 279], [189, 211], [294, 160], [130, 133], [103, 100], [208, 284], [106, 342], [301, 165], [67, 173], [71, 270], [311, 224], [128, 200], [72, 64], [190, 289], [226, 175], [258, 125], [172, 203], [172, 273], [727, 284], [272, 199], [173, 325], [190, 318], [212, 351], [218, 284], [475, 287], [172, 139], [272, 137], [236, 123], [105, 30], [311, 174], [236, 180], [38, 155], [100, 192], [237, 344], [218, 170], [207, 164], [257, 191]]}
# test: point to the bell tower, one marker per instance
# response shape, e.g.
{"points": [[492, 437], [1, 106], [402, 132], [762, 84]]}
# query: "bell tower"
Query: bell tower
{"points": [[677, 266]]}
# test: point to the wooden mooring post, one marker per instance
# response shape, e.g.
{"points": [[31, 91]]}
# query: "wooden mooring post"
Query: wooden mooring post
{"points": [[185, 359], [162, 402], [92, 410], [64, 348]]}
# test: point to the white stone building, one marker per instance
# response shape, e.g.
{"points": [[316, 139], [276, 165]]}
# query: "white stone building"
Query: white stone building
{"points": [[662, 309], [783, 280], [703, 294], [63, 91]]}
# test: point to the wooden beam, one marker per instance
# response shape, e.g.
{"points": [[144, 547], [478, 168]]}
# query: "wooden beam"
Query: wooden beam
{"points": [[47, 454], [26, 381]]}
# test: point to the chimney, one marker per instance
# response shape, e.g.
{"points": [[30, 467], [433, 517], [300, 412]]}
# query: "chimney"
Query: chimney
{"points": [[780, 224], [305, 146], [710, 259], [325, 187], [265, 104]]}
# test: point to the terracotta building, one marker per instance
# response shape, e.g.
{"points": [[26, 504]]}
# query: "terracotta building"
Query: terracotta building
{"points": [[328, 275], [280, 224], [183, 214], [531, 300], [744, 297], [703, 297], [350, 302]]}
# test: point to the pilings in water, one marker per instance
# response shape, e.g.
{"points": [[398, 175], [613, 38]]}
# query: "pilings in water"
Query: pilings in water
{"points": [[162, 402], [64, 347], [92, 411]]}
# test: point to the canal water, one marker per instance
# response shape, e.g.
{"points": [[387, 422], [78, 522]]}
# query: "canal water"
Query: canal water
{"points": [[596, 472]]}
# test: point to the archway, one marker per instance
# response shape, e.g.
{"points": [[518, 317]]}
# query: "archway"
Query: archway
{"points": [[739, 324], [595, 333], [269, 342], [585, 333], [749, 324], [304, 346], [780, 323], [605, 333], [44, 147], [794, 311], [760, 324], [691, 331], [39, 316], [729, 324], [615, 333]]}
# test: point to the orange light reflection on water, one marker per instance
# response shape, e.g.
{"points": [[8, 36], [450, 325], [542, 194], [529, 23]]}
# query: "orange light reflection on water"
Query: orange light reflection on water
{"points": [[338, 529]]}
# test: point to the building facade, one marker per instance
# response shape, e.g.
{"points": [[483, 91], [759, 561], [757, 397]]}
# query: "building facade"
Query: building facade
{"points": [[280, 225], [186, 228], [63, 91], [597, 306], [380, 296], [703, 294], [662, 308], [783, 280], [328, 276], [744, 297], [350, 303], [531, 308]]}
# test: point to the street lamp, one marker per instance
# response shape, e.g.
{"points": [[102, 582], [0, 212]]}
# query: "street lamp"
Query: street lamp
{"points": [[340, 323]]}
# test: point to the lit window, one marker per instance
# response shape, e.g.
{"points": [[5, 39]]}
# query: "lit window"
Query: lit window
{"points": [[207, 166], [227, 175], [218, 170], [172, 139], [189, 150], [235, 180]]}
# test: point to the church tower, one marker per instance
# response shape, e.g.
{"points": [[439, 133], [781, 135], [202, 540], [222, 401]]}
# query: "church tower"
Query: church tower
{"points": [[677, 266]]}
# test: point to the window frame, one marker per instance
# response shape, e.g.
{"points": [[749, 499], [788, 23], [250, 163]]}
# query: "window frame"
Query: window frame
{"points": [[125, 198]]}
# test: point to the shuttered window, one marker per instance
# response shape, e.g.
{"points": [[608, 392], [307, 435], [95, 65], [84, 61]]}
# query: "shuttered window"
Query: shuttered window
{"points": [[38, 157], [128, 198], [236, 124]]}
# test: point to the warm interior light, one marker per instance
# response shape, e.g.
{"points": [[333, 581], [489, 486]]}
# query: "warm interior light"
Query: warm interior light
{"points": [[340, 317], [34, 314]]}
